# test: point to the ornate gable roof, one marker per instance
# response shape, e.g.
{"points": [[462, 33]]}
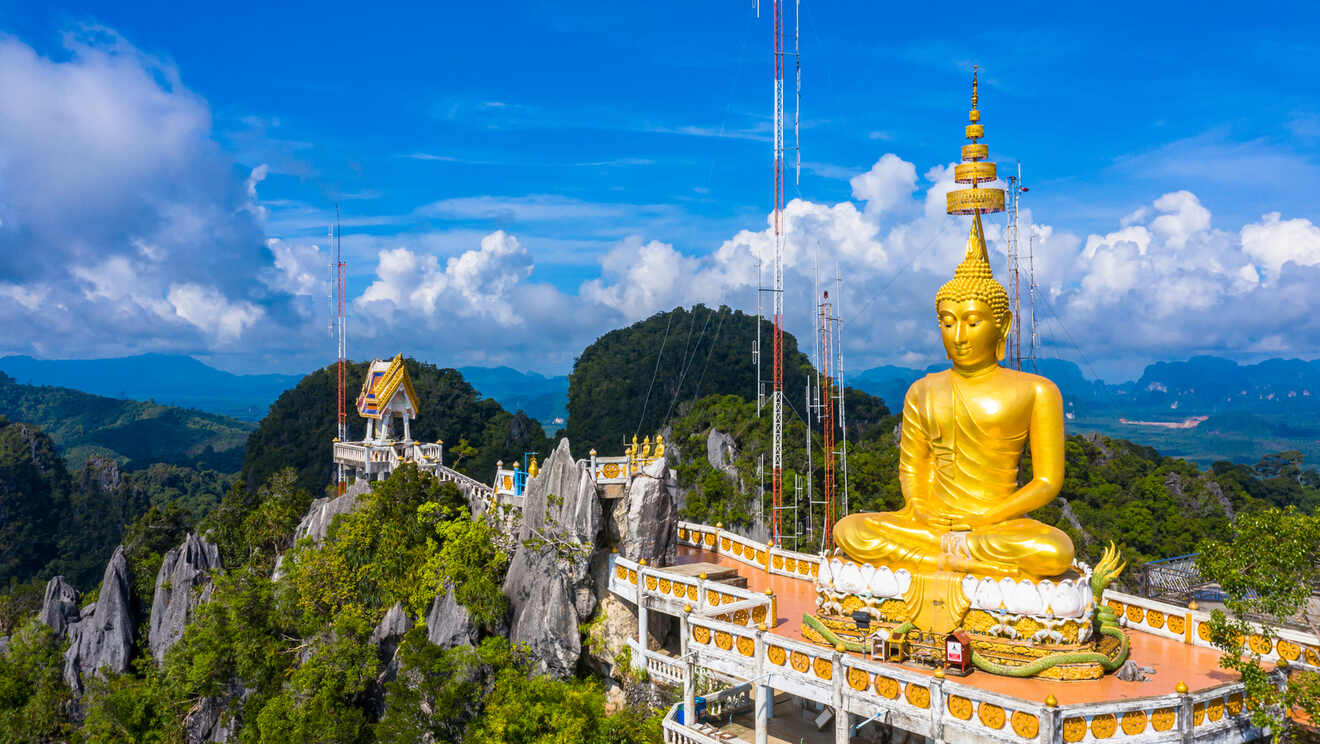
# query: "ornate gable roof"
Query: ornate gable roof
{"points": [[382, 383]]}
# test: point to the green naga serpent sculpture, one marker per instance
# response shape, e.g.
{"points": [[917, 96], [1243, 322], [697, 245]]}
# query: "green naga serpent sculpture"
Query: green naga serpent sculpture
{"points": [[1108, 569]]}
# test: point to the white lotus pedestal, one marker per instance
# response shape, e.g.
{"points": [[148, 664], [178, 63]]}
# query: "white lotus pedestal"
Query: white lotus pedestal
{"points": [[1012, 624]]}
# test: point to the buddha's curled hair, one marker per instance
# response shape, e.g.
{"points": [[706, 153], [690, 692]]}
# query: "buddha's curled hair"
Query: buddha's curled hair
{"points": [[974, 280]]}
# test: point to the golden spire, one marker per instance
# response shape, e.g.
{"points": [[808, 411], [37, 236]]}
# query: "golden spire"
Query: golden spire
{"points": [[973, 278], [974, 169]]}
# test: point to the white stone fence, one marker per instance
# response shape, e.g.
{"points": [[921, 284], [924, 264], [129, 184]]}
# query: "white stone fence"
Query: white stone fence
{"points": [[673, 594], [1193, 627], [771, 558]]}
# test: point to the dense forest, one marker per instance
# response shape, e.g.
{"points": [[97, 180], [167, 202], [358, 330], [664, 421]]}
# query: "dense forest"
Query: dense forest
{"points": [[631, 380], [133, 433], [61, 522], [477, 431], [296, 660]]}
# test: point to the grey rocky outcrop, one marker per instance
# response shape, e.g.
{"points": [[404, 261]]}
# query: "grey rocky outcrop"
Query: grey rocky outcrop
{"points": [[1217, 492], [59, 607], [103, 635], [211, 719], [449, 624], [646, 518], [183, 583], [386, 637], [315, 524], [561, 522], [721, 451]]}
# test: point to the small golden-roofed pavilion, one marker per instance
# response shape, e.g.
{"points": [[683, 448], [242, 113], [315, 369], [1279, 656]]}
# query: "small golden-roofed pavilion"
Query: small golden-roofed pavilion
{"points": [[387, 391]]}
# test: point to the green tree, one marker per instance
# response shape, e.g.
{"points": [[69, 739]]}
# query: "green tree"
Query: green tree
{"points": [[147, 540], [33, 695], [1267, 567], [439, 691]]}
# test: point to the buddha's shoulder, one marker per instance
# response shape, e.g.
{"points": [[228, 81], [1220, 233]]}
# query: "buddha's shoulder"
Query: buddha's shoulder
{"points": [[1029, 381]]}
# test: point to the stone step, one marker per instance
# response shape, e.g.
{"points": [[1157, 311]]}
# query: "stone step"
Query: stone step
{"points": [[713, 571]]}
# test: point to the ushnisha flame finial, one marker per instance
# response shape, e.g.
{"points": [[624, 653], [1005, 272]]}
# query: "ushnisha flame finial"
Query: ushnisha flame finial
{"points": [[975, 168]]}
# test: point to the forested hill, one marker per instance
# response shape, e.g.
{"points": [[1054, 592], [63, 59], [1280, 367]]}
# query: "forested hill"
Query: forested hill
{"points": [[133, 433], [58, 521], [634, 379], [476, 431]]}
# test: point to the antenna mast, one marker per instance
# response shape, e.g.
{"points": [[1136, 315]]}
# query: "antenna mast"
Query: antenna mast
{"points": [[1031, 288], [1015, 340], [341, 331], [777, 290], [825, 353]]}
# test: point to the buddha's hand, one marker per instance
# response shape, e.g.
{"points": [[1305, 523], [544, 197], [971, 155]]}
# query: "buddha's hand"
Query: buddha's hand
{"points": [[954, 554], [950, 523]]}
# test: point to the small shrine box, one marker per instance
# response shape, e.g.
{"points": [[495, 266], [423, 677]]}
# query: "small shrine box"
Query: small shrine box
{"points": [[958, 653], [895, 649]]}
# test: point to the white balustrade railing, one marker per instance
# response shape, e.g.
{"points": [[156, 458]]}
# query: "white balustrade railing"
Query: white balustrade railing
{"points": [[774, 559], [1193, 627], [672, 593], [677, 733]]}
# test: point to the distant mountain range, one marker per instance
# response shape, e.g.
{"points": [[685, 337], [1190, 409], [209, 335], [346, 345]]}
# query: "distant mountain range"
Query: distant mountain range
{"points": [[1200, 385], [1244, 410], [542, 398], [171, 379], [1203, 409], [178, 380]]}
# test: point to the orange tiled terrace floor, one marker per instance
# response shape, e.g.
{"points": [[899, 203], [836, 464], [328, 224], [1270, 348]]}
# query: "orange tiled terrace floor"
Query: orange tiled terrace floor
{"points": [[1173, 662]]}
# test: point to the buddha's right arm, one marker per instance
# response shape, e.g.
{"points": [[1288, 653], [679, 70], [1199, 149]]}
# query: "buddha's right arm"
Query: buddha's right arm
{"points": [[915, 460]]}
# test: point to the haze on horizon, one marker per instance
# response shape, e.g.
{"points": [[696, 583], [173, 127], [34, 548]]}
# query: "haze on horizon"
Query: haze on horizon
{"points": [[167, 176]]}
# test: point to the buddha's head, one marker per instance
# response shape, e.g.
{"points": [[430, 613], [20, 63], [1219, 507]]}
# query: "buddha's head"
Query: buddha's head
{"points": [[973, 309]]}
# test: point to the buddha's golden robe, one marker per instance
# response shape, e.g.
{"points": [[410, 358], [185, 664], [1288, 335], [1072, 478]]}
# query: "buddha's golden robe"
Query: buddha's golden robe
{"points": [[962, 438]]}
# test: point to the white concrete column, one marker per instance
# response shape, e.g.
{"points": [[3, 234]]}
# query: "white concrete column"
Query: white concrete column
{"points": [[842, 723], [1185, 722], [407, 431], [937, 707], [690, 670], [765, 695], [643, 615], [370, 429]]}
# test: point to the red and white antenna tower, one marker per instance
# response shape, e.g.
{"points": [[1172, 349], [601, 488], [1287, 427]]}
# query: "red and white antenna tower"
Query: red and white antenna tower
{"points": [[341, 334]]}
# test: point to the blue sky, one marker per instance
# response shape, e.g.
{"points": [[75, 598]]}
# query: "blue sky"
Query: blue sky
{"points": [[516, 178]]}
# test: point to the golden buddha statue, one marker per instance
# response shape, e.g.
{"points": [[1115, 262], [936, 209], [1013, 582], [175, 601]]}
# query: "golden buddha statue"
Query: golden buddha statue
{"points": [[964, 431]]}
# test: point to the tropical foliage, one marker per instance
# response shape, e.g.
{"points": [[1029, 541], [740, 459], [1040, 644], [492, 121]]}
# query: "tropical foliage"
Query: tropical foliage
{"points": [[633, 380]]}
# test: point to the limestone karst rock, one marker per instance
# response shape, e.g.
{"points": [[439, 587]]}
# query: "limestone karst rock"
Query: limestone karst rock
{"points": [[449, 624], [59, 607], [646, 518], [211, 719], [183, 582], [721, 451], [103, 636], [386, 637], [561, 522], [315, 524]]}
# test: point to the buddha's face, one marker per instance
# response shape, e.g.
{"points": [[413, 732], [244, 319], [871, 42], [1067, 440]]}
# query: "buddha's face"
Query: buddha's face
{"points": [[971, 338]]}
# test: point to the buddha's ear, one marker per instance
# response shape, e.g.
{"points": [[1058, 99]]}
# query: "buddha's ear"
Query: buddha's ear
{"points": [[1003, 336]]}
